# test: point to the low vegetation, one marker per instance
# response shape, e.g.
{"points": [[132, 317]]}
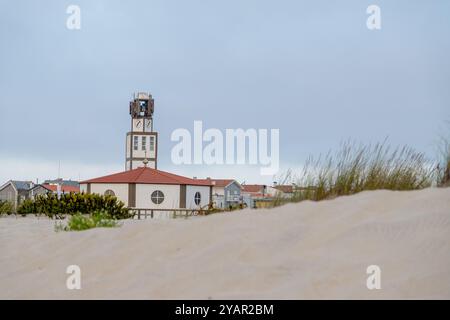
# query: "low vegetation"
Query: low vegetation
{"points": [[355, 168], [443, 169], [6, 207], [79, 222], [74, 203]]}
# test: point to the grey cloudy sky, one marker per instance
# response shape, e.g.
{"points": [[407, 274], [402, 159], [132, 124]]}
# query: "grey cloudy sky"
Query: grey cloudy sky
{"points": [[310, 68]]}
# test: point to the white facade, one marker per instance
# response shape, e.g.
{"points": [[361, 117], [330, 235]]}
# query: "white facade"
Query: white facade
{"points": [[190, 196], [271, 191], [220, 191], [120, 190], [171, 196], [142, 146]]}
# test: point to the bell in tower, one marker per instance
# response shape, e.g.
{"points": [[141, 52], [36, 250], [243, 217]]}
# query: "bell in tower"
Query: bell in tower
{"points": [[142, 106], [141, 142]]}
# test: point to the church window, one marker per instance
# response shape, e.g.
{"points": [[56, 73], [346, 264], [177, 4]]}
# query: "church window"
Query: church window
{"points": [[144, 143], [152, 143], [109, 192], [197, 198], [157, 197], [135, 142]]}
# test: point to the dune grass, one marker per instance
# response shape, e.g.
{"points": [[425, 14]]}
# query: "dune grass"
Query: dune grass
{"points": [[443, 169], [355, 168], [79, 222]]}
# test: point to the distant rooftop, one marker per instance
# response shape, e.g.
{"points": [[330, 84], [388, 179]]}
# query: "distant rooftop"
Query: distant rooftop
{"points": [[218, 182], [64, 188], [22, 185], [62, 182]]}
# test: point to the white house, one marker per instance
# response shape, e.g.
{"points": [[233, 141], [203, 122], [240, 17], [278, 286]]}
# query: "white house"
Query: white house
{"points": [[147, 188], [15, 191], [225, 192]]}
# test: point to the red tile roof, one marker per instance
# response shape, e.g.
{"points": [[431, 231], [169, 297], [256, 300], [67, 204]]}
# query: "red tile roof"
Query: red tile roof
{"points": [[253, 188], [147, 176], [218, 182], [285, 188], [65, 189]]}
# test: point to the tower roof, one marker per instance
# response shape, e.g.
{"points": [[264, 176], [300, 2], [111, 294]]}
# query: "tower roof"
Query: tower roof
{"points": [[147, 175]]}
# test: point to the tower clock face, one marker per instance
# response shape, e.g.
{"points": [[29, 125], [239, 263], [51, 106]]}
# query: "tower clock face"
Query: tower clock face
{"points": [[138, 124], [148, 125]]}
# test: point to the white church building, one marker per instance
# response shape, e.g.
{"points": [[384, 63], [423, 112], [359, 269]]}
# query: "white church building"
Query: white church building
{"points": [[148, 188], [141, 185]]}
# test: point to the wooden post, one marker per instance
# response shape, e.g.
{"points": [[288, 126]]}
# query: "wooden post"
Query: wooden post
{"points": [[151, 213], [139, 214]]}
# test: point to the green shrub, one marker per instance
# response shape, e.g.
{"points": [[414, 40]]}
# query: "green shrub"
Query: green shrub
{"points": [[73, 203], [79, 222], [6, 207], [26, 207]]}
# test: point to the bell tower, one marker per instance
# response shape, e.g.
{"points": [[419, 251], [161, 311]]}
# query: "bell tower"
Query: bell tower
{"points": [[142, 141]]}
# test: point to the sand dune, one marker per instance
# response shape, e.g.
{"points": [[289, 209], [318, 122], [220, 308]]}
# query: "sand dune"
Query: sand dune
{"points": [[307, 250]]}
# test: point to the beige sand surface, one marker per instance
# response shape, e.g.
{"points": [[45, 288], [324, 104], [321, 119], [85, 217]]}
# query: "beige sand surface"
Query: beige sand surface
{"points": [[306, 250]]}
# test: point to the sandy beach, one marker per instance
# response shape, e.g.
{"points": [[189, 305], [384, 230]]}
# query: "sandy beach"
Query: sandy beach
{"points": [[299, 251]]}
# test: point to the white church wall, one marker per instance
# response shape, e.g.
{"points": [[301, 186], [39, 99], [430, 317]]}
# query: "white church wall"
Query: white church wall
{"points": [[120, 190], [83, 188], [190, 193], [144, 151], [127, 146], [171, 196]]}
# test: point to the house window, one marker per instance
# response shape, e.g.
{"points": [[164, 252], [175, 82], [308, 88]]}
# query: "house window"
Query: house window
{"points": [[144, 143], [152, 143], [135, 142], [157, 197], [197, 198], [109, 192]]}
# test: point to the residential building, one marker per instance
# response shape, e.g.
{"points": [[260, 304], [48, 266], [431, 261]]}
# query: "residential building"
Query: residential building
{"points": [[15, 191], [46, 188], [225, 193], [285, 191], [259, 195]]}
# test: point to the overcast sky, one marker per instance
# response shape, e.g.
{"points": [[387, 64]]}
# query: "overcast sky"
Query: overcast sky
{"points": [[309, 68]]}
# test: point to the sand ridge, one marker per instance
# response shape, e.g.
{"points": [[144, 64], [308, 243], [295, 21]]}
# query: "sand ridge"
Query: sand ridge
{"points": [[309, 250]]}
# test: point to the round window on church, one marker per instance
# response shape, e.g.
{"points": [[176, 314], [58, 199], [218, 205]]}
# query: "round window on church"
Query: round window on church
{"points": [[109, 192], [197, 198], [157, 197]]}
